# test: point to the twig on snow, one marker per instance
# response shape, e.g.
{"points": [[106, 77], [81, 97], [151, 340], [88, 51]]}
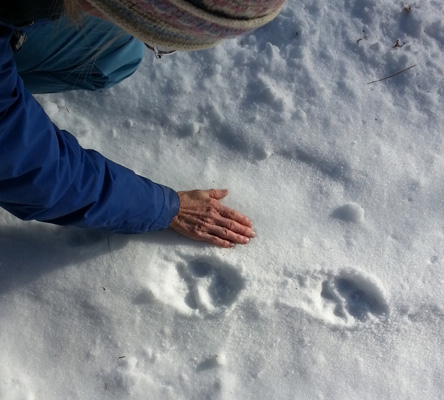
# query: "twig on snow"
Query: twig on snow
{"points": [[391, 76], [398, 44]]}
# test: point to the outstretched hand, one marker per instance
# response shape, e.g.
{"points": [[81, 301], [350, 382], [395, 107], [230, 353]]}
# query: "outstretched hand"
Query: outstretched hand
{"points": [[202, 217]]}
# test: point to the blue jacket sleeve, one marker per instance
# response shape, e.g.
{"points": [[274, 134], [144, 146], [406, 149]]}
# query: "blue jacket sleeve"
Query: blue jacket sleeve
{"points": [[45, 175]]}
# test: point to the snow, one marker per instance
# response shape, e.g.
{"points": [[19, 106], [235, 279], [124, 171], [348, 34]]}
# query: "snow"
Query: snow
{"points": [[340, 295]]}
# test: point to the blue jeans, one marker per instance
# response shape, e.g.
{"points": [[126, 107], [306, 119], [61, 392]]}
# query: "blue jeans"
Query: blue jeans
{"points": [[60, 57]]}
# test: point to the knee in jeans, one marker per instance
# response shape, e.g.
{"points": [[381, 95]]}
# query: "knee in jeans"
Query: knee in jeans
{"points": [[115, 66]]}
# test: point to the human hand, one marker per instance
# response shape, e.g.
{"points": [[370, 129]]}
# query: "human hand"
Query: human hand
{"points": [[202, 217]]}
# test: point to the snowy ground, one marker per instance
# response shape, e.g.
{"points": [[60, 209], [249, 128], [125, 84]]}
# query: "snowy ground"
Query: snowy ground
{"points": [[340, 296]]}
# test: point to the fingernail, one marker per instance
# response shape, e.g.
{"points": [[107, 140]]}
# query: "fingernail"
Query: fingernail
{"points": [[253, 234], [245, 240]]}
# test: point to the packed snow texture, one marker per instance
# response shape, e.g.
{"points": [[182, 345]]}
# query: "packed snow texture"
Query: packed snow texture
{"points": [[340, 295]]}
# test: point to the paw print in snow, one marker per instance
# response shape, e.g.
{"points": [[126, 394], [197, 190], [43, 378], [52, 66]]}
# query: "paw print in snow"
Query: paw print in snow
{"points": [[202, 287], [354, 297], [212, 288], [345, 299]]}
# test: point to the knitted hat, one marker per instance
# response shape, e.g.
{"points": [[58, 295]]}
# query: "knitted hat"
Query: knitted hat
{"points": [[188, 25]]}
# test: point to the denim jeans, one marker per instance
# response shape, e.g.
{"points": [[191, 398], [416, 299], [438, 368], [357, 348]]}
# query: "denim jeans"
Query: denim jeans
{"points": [[61, 56]]}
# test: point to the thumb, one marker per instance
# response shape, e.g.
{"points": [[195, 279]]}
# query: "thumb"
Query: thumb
{"points": [[218, 194]]}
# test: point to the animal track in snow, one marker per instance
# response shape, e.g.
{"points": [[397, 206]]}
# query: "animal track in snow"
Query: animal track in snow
{"points": [[350, 212], [335, 169], [211, 288], [347, 299], [204, 286]]}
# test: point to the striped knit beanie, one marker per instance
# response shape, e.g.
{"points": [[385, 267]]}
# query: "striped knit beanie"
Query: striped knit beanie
{"points": [[188, 24]]}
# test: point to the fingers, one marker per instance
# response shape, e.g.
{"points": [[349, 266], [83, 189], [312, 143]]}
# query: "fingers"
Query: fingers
{"points": [[228, 230], [220, 232], [235, 216], [227, 234], [217, 241], [228, 212], [207, 232], [235, 227]]}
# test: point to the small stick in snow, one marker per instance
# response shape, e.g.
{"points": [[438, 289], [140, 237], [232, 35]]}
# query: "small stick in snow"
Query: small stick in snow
{"points": [[398, 44], [391, 76]]}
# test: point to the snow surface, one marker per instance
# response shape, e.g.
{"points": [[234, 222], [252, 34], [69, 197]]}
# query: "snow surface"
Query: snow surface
{"points": [[340, 296]]}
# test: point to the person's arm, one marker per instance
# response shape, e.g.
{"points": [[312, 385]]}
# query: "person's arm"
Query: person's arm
{"points": [[45, 175]]}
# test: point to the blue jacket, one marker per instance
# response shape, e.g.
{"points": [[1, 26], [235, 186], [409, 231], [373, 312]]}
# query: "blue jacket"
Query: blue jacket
{"points": [[45, 175]]}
